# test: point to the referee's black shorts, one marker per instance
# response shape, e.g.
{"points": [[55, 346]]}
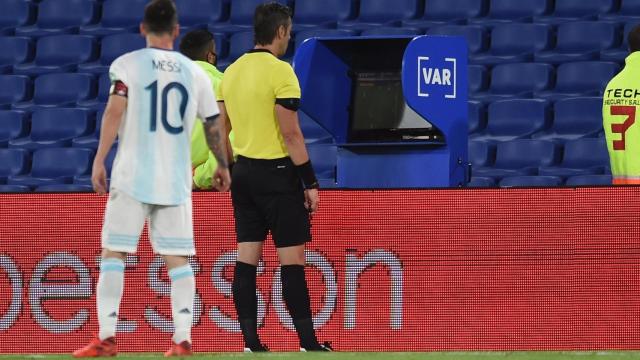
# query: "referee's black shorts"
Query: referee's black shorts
{"points": [[267, 195]]}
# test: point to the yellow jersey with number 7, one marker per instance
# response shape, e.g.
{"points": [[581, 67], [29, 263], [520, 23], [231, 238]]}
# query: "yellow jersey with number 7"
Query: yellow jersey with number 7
{"points": [[620, 109]]}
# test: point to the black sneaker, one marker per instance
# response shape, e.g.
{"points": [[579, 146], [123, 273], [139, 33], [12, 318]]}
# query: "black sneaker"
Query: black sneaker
{"points": [[325, 346], [256, 348]]}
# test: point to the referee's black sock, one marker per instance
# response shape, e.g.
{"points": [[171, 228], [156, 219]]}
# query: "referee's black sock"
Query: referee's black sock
{"points": [[246, 302], [296, 296]]}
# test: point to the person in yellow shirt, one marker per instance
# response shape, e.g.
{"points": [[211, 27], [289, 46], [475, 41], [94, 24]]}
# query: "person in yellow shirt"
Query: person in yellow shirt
{"points": [[274, 186], [620, 109], [199, 45]]}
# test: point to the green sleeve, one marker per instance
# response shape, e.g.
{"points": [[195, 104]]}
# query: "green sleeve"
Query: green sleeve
{"points": [[203, 174]]}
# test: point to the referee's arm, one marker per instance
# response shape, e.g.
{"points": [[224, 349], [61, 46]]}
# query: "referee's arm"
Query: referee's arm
{"points": [[292, 135]]}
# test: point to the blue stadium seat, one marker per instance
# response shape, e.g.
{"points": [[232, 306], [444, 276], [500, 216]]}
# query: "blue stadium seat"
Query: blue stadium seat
{"points": [[301, 36], [111, 47], [477, 116], [620, 53], [15, 50], [574, 118], [478, 79], [629, 11], [530, 181], [64, 188], [59, 54], [85, 179], [13, 89], [480, 182], [55, 166], [581, 41], [60, 90], [475, 35], [313, 133], [90, 141], [515, 42], [240, 18], [240, 43], [504, 11], [53, 128], [104, 85], [13, 124], [589, 180], [586, 156], [199, 13], [118, 16], [519, 158], [311, 14], [481, 154], [514, 119], [16, 13], [572, 10], [13, 162], [587, 78], [519, 80], [56, 17], [373, 13], [14, 189], [392, 31], [441, 12]]}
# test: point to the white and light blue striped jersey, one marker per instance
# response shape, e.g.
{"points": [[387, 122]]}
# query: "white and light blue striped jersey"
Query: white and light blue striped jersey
{"points": [[166, 91]]}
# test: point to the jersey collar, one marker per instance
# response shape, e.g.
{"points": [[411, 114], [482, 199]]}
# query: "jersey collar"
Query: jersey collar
{"points": [[259, 51], [633, 58]]}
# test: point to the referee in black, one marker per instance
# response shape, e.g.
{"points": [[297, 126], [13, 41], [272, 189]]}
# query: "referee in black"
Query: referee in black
{"points": [[274, 187]]}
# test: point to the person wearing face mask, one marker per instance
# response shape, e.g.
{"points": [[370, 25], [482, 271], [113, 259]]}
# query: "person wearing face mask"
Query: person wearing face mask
{"points": [[199, 45]]}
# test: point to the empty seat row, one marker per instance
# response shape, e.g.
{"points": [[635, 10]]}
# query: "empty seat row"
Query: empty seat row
{"points": [[49, 166], [526, 80], [19, 92], [537, 181], [520, 42], [57, 127], [525, 157], [505, 120]]}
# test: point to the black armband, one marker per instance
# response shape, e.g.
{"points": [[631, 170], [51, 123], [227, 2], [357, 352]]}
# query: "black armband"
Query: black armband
{"points": [[292, 104], [307, 175]]}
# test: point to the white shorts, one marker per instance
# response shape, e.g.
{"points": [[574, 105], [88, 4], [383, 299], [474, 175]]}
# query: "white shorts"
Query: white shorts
{"points": [[170, 227]]}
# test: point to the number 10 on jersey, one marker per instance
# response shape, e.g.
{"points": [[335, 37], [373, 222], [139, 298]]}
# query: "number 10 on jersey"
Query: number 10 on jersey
{"points": [[164, 98]]}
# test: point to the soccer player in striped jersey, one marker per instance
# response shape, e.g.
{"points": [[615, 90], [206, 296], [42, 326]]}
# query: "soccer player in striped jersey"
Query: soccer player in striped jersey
{"points": [[155, 98]]}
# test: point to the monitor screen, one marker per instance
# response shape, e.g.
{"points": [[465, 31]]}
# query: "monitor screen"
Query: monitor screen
{"points": [[379, 109]]}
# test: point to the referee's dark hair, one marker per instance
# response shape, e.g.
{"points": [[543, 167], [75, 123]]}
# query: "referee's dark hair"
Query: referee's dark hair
{"points": [[196, 44], [268, 18], [634, 39], [160, 16]]}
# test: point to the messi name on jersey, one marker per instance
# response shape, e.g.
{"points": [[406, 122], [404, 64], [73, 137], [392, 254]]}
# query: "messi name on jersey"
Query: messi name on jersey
{"points": [[167, 66]]}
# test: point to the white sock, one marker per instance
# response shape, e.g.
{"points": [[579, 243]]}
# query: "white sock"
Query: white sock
{"points": [[183, 290], [108, 295]]}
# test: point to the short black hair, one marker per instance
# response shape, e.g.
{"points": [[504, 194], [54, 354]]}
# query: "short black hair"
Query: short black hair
{"points": [[196, 43], [634, 39], [267, 20], [160, 16]]}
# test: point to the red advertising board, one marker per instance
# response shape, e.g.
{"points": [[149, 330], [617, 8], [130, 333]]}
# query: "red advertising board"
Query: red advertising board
{"points": [[502, 269]]}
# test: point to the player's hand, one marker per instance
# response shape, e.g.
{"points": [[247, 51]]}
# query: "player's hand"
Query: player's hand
{"points": [[99, 177], [221, 179], [311, 200]]}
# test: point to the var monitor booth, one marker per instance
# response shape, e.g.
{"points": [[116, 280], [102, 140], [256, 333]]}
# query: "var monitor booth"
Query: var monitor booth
{"points": [[386, 112]]}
